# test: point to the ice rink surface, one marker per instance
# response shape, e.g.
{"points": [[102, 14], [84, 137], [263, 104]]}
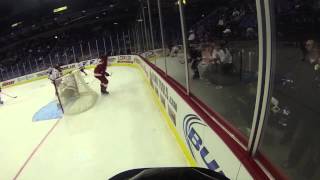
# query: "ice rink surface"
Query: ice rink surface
{"points": [[124, 130]]}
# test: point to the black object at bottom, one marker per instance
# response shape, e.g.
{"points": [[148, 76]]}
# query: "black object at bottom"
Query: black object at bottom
{"points": [[179, 173]]}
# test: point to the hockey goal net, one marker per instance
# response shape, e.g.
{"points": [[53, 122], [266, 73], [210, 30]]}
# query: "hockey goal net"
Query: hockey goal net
{"points": [[74, 94]]}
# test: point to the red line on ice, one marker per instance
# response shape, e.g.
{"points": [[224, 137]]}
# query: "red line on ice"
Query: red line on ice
{"points": [[34, 151]]}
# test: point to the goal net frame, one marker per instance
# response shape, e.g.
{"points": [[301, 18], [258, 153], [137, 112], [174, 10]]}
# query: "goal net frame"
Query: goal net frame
{"points": [[75, 96]]}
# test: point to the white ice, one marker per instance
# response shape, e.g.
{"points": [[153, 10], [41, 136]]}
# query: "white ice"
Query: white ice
{"points": [[124, 130]]}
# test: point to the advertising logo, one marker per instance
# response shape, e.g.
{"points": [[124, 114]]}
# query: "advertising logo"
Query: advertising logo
{"points": [[7, 83], [195, 142], [21, 78], [125, 61], [112, 59], [124, 58], [156, 90], [172, 115], [41, 73], [163, 101]]}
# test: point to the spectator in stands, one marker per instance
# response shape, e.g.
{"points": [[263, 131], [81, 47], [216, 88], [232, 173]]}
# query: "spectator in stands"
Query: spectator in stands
{"points": [[305, 146], [312, 52], [170, 45], [195, 58], [217, 54], [222, 55], [222, 62], [235, 13], [192, 37], [220, 26], [250, 33], [128, 51], [227, 33], [174, 51], [206, 62]]}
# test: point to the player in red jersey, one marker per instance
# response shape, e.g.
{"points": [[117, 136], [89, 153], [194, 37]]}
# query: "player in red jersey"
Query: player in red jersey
{"points": [[101, 74]]}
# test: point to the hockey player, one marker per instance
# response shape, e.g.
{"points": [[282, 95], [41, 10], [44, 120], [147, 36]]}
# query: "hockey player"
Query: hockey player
{"points": [[100, 73], [54, 73], [1, 102], [82, 67]]}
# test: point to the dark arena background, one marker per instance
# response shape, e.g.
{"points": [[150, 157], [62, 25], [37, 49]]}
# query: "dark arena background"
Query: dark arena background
{"points": [[211, 89]]}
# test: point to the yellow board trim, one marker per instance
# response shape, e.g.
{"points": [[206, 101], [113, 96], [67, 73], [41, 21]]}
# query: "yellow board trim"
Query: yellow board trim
{"points": [[25, 81], [183, 147], [166, 117]]}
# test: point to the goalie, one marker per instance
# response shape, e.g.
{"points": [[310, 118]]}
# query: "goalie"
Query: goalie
{"points": [[101, 74]]}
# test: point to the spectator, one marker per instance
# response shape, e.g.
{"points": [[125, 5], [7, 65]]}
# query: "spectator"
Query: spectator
{"points": [[235, 13], [128, 51], [192, 36], [206, 62], [220, 26], [227, 33], [225, 58], [305, 144], [174, 51], [222, 60], [195, 56], [250, 33], [312, 52]]}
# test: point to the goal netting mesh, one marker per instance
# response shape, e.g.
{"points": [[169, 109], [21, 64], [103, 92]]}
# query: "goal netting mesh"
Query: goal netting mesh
{"points": [[74, 94]]}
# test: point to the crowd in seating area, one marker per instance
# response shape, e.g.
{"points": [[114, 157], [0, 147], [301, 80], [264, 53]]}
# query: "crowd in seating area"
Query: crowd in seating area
{"points": [[213, 51], [227, 23], [213, 39], [53, 44]]}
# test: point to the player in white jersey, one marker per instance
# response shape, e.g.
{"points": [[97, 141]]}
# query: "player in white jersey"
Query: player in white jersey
{"points": [[54, 73], [82, 67]]}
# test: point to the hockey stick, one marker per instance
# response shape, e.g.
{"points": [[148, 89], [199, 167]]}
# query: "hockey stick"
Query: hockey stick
{"points": [[8, 95]]}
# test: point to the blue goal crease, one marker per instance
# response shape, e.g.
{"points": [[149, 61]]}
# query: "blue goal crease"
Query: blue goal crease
{"points": [[48, 112]]}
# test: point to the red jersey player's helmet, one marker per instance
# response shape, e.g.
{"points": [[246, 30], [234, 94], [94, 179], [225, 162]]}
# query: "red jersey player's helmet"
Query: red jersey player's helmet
{"points": [[104, 59]]}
